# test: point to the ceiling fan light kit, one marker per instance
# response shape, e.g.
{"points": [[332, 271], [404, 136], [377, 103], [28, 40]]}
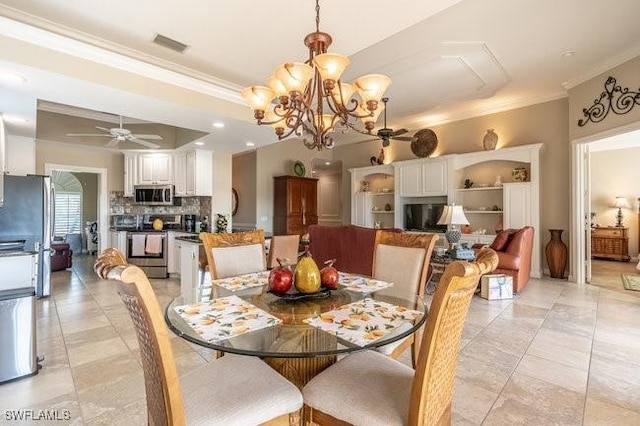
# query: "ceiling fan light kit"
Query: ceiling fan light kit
{"points": [[311, 100], [120, 134]]}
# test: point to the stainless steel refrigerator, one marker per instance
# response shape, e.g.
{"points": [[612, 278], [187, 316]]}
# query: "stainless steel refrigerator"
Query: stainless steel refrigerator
{"points": [[27, 214]]}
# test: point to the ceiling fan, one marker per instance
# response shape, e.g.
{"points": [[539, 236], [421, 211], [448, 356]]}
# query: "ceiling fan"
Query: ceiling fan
{"points": [[387, 134], [120, 134]]}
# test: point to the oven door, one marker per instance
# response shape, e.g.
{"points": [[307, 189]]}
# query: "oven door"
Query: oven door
{"points": [[147, 249]]}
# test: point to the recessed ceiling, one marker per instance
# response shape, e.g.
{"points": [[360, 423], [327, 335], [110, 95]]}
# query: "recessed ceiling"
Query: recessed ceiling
{"points": [[448, 59]]}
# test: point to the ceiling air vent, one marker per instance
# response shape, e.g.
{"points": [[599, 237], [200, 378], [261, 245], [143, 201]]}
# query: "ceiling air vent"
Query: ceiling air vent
{"points": [[169, 43]]}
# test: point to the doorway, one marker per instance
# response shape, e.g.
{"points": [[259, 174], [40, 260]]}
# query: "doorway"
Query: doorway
{"points": [[582, 202], [329, 175], [102, 208]]}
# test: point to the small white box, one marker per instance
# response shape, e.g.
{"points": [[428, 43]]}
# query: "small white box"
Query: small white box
{"points": [[496, 286]]}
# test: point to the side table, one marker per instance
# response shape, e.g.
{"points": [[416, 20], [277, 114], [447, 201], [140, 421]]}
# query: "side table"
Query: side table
{"points": [[437, 265]]}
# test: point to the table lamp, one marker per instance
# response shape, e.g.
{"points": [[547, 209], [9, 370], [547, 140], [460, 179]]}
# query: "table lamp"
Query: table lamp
{"points": [[453, 216], [619, 204]]}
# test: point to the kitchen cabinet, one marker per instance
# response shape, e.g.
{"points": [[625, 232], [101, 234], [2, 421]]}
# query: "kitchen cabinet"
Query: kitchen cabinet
{"points": [[130, 173], [294, 204], [173, 255], [118, 240], [180, 173], [610, 243], [189, 269], [155, 169], [426, 178], [193, 173]]}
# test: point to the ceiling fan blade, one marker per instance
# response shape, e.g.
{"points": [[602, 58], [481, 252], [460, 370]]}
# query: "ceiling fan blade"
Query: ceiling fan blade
{"points": [[143, 142], [368, 140], [152, 137], [403, 138], [113, 142], [103, 128], [399, 132], [88, 134]]}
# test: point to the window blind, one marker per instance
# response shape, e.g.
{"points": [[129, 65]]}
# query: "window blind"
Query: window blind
{"points": [[68, 213]]}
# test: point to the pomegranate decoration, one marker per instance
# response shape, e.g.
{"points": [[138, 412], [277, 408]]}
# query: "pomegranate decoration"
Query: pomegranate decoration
{"points": [[329, 275], [280, 279]]}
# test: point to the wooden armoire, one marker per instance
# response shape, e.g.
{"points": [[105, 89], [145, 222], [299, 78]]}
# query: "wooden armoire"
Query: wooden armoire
{"points": [[295, 204]]}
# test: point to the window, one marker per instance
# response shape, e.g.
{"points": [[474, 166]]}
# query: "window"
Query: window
{"points": [[68, 213]]}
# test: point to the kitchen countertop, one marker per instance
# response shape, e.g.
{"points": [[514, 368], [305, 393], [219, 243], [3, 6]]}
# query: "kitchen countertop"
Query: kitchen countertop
{"points": [[9, 253], [190, 239]]}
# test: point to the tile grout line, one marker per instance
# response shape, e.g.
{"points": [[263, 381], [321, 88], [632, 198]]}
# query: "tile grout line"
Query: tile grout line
{"points": [[523, 354]]}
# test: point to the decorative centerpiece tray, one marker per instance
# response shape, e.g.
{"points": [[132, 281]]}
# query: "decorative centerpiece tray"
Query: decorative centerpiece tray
{"points": [[294, 294]]}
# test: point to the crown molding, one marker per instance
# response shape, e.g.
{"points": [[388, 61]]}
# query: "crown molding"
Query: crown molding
{"points": [[606, 66], [28, 28], [86, 113]]}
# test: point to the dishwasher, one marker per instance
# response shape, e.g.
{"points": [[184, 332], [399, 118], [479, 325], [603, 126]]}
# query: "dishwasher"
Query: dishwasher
{"points": [[17, 315]]}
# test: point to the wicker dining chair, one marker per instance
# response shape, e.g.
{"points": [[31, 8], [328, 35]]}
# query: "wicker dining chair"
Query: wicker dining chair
{"points": [[283, 247], [368, 388], [230, 254], [403, 259], [234, 389]]}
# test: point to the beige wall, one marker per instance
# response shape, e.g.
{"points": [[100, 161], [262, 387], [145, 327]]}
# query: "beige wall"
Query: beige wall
{"points": [[244, 182], [89, 182], [614, 174], [221, 200], [277, 160], [74, 155], [582, 96], [541, 123]]}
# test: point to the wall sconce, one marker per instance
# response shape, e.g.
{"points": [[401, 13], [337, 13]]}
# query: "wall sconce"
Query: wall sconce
{"points": [[620, 203]]}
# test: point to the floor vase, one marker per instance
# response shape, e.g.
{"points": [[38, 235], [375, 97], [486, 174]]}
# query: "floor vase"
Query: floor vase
{"points": [[556, 252]]}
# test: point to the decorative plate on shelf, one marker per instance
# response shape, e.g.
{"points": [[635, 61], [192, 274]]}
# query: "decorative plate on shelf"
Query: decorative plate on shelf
{"points": [[424, 143], [298, 169]]}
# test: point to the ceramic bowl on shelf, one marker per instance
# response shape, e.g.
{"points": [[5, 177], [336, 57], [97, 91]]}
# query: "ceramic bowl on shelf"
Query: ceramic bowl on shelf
{"points": [[483, 185]]}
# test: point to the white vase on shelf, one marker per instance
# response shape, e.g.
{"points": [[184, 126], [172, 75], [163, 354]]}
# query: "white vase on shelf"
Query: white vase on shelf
{"points": [[498, 181]]}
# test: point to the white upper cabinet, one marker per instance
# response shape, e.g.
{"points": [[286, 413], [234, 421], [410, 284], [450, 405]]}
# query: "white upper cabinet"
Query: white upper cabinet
{"points": [[180, 173], [130, 173], [423, 178], [155, 169], [199, 173]]}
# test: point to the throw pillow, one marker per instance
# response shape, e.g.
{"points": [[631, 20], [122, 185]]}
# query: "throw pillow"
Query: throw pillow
{"points": [[502, 240]]}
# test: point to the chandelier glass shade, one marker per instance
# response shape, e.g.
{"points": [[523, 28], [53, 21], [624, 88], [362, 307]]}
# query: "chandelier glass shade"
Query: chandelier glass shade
{"points": [[310, 99]]}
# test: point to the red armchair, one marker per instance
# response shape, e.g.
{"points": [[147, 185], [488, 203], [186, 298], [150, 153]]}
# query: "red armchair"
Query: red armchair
{"points": [[61, 256], [514, 248]]}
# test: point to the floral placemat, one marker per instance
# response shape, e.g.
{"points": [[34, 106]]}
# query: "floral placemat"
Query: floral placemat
{"points": [[364, 321], [362, 284], [242, 282], [225, 317]]}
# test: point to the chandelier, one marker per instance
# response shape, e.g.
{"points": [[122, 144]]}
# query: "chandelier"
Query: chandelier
{"points": [[312, 102]]}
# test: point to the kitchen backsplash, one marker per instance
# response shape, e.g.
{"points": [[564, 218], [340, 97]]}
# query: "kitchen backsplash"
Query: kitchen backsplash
{"points": [[119, 204]]}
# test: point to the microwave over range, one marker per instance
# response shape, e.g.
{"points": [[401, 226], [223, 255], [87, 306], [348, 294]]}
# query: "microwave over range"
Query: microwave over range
{"points": [[154, 195]]}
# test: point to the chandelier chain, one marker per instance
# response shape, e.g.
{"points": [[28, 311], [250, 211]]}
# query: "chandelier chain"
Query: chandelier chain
{"points": [[317, 16]]}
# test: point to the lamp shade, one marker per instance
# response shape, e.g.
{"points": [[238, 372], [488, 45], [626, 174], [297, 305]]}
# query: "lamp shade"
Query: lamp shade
{"points": [[258, 97], [294, 75], [331, 65], [371, 87], [621, 202], [453, 215]]}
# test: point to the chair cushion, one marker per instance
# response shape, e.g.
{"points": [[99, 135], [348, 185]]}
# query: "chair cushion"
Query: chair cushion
{"points": [[366, 388], [401, 266], [237, 390], [238, 260], [502, 240]]}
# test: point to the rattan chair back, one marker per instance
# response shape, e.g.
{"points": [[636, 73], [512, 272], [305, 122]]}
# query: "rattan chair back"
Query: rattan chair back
{"points": [[433, 383], [210, 241], [162, 387]]}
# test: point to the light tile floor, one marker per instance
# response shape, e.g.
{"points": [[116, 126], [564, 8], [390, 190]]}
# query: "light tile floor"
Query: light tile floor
{"points": [[557, 354]]}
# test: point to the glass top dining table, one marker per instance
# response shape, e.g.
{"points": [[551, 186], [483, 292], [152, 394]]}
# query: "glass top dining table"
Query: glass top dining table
{"points": [[295, 328]]}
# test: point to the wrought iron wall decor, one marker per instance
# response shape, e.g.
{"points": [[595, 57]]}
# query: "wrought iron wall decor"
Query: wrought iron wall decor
{"points": [[613, 98]]}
